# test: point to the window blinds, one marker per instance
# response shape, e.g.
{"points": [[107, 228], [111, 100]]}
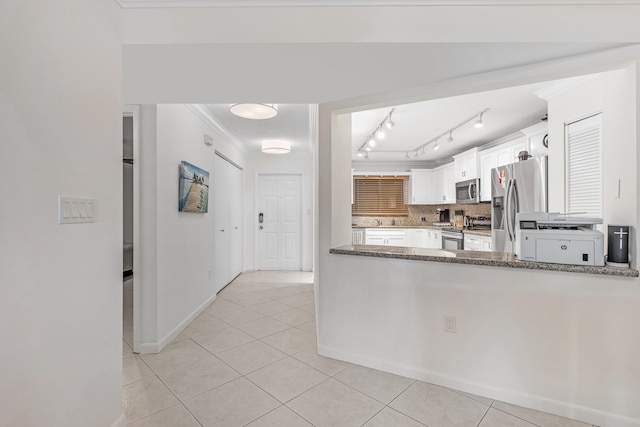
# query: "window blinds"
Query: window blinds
{"points": [[380, 196], [584, 166]]}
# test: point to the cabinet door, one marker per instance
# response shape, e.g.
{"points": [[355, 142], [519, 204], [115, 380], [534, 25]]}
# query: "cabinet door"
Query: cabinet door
{"points": [[436, 239], [396, 241], [449, 183], [472, 243], [438, 185], [486, 244], [487, 162], [419, 238], [460, 168], [420, 187], [375, 240]]}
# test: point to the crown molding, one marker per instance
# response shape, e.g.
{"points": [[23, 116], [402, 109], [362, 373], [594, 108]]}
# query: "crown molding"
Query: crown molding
{"points": [[205, 115], [362, 3]]}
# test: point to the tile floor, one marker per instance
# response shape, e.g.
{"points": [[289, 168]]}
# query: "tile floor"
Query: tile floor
{"points": [[250, 360]]}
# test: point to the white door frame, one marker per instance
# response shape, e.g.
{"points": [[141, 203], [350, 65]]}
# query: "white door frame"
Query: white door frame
{"points": [[134, 112], [256, 203]]}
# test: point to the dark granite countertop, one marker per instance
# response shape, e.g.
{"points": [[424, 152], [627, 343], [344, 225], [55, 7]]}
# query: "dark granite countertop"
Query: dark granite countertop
{"points": [[494, 259]]}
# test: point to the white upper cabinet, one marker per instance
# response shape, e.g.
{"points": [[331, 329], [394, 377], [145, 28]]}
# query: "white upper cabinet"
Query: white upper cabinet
{"points": [[466, 165], [421, 187], [444, 184], [500, 155]]}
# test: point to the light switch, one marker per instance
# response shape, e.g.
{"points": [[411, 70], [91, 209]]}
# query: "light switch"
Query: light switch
{"points": [[73, 210]]}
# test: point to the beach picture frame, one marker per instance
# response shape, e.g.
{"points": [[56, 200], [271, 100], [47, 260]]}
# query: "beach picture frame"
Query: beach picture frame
{"points": [[193, 193]]}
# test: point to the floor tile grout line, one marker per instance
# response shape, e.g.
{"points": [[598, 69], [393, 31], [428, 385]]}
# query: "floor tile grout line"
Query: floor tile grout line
{"points": [[520, 418], [464, 394], [483, 415]]}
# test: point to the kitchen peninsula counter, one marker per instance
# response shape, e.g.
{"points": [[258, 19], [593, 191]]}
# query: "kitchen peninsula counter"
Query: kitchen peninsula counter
{"points": [[494, 259]]}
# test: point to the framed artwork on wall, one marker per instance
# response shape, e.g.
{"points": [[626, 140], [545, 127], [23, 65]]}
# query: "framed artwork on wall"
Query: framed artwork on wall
{"points": [[193, 193]]}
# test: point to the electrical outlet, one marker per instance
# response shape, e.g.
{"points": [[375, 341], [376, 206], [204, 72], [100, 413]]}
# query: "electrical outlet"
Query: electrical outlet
{"points": [[423, 219], [450, 324]]}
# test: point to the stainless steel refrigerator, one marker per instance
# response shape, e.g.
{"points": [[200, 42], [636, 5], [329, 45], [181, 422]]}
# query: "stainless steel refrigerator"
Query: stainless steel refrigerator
{"points": [[518, 187]]}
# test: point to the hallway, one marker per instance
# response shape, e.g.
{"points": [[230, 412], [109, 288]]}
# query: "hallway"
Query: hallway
{"points": [[250, 360]]}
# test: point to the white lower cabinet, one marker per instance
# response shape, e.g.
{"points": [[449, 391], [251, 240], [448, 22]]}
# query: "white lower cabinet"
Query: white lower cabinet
{"points": [[386, 236], [473, 242]]}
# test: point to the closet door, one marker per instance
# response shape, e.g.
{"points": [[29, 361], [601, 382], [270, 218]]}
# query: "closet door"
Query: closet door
{"points": [[235, 214], [222, 234]]}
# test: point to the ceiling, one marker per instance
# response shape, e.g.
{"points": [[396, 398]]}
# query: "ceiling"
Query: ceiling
{"points": [[292, 123], [509, 110]]}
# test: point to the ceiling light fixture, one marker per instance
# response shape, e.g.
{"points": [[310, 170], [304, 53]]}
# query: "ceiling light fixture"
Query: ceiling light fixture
{"points": [[378, 133], [450, 131], [254, 111], [407, 155], [478, 124], [366, 155], [276, 146], [360, 154], [389, 123]]}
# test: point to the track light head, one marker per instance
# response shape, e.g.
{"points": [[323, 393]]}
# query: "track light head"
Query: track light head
{"points": [[478, 124], [366, 155], [406, 155], [360, 154], [436, 147], [389, 124], [367, 148], [371, 142], [380, 133], [450, 139]]}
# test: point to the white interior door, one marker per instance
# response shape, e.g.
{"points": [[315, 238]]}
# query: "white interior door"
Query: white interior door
{"points": [[235, 222], [279, 222], [221, 211]]}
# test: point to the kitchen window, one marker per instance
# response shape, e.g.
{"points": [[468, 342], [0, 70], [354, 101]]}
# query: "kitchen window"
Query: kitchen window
{"points": [[380, 196]]}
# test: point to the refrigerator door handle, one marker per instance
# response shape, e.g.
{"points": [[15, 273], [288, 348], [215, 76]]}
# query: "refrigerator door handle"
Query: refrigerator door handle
{"points": [[516, 201], [508, 210]]}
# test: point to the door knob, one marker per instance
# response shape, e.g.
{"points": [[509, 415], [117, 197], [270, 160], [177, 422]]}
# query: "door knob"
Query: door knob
{"points": [[261, 227]]}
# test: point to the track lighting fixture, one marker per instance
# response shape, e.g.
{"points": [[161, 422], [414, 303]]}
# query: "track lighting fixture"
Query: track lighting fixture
{"points": [[378, 133], [449, 132], [366, 155], [360, 154], [478, 124], [389, 123]]}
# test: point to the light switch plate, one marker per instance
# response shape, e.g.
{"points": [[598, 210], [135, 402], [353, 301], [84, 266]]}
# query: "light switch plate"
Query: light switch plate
{"points": [[74, 210]]}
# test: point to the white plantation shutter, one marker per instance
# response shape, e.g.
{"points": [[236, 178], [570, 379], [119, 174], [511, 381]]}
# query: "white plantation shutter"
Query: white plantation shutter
{"points": [[584, 166]]}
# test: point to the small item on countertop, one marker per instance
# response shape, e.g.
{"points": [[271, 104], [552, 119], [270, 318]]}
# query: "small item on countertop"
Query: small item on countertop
{"points": [[618, 246]]}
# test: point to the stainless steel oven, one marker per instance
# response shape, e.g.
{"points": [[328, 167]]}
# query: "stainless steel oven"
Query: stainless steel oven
{"points": [[452, 239]]}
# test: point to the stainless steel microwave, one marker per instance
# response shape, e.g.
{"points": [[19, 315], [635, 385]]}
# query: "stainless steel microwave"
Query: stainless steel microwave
{"points": [[468, 191]]}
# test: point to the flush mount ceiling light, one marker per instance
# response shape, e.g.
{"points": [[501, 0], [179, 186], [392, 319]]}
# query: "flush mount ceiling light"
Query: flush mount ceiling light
{"points": [[254, 111], [276, 146]]}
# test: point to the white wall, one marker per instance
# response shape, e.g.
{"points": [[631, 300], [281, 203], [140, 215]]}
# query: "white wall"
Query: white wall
{"points": [[558, 342], [288, 163], [178, 268], [614, 95], [60, 285]]}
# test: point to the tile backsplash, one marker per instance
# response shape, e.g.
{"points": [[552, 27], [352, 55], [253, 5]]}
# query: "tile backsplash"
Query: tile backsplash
{"points": [[416, 212]]}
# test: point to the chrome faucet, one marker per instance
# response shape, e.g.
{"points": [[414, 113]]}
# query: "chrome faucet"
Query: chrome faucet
{"points": [[393, 221]]}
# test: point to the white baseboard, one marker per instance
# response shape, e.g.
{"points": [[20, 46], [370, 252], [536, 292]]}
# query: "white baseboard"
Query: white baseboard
{"points": [[120, 422], [166, 340], [540, 403]]}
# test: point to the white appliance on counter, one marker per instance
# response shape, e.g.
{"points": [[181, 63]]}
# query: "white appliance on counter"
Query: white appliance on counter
{"points": [[559, 238], [518, 187]]}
